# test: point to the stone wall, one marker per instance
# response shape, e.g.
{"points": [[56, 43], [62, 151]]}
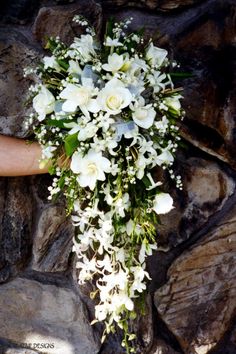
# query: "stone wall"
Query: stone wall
{"points": [[190, 305]]}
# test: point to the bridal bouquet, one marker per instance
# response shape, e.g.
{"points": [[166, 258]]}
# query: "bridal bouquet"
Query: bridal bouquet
{"points": [[105, 116]]}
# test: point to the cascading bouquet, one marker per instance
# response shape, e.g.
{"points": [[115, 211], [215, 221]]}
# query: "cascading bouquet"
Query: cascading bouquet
{"points": [[106, 116]]}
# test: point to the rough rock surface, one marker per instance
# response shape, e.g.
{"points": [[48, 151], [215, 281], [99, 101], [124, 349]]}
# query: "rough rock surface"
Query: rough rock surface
{"points": [[17, 52], [151, 4], [207, 188], [52, 240], [38, 314], [197, 302], [195, 298], [160, 347], [47, 24], [16, 226]]}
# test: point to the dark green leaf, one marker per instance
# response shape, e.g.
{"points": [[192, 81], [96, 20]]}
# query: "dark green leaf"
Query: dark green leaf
{"points": [[71, 143]]}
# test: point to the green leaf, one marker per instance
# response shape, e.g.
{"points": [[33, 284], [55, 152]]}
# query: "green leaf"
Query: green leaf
{"points": [[57, 123], [181, 75], [109, 27], [63, 64], [71, 143]]}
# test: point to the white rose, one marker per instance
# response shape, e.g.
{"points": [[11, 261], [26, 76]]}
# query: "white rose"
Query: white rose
{"points": [[155, 55], [90, 168], [142, 115], [163, 203], [43, 103], [114, 97]]}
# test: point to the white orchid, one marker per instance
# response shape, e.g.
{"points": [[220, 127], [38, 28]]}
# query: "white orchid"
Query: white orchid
{"points": [[162, 125], [91, 168], [50, 62], [163, 203], [164, 158], [157, 80], [84, 46], [114, 97], [43, 103], [113, 42]]}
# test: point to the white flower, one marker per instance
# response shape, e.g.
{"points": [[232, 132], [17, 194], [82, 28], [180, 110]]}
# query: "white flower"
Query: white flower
{"points": [[139, 275], [122, 204], [164, 158], [114, 97], [74, 67], [155, 55], [162, 125], [116, 62], [153, 184], [50, 62], [146, 250], [143, 115], [90, 168], [113, 42], [47, 151], [156, 81], [163, 203], [101, 311], [173, 102], [84, 46], [43, 103], [79, 96], [120, 299]]}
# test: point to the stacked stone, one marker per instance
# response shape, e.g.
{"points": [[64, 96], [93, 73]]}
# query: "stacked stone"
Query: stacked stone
{"points": [[190, 305]]}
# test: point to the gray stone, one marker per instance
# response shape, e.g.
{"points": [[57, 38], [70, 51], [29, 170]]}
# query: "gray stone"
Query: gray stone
{"points": [[47, 23], [198, 301], [151, 4], [161, 347], [49, 318], [52, 240], [207, 188], [17, 52], [16, 226]]}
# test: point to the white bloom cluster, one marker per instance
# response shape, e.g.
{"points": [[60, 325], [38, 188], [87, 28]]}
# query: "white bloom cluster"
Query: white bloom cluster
{"points": [[106, 117]]}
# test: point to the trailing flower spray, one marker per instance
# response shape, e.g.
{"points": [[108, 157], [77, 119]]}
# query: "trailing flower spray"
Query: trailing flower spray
{"points": [[105, 116]]}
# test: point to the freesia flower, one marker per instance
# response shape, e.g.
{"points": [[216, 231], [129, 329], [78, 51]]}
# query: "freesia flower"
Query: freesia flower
{"points": [[155, 55], [116, 62], [79, 96], [43, 103], [91, 168], [163, 203], [74, 67], [173, 102]]}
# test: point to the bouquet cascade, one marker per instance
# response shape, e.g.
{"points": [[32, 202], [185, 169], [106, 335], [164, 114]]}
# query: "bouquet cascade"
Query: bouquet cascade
{"points": [[106, 115]]}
